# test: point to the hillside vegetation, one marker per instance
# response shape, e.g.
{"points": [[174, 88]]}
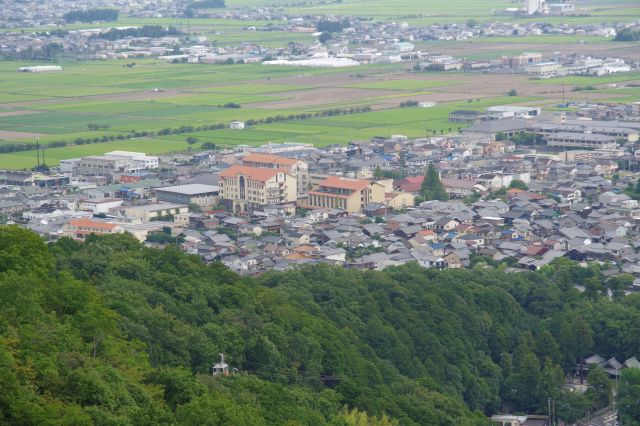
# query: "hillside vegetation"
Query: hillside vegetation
{"points": [[109, 332]]}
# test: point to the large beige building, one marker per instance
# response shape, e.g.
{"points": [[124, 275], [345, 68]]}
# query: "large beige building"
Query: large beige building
{"points": [[78, 229], [244, 188], [351, 195], [293, 166]]}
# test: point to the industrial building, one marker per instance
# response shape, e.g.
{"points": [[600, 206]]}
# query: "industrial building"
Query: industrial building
{"points": [[23, 178], [511, 111], [114, 162]]}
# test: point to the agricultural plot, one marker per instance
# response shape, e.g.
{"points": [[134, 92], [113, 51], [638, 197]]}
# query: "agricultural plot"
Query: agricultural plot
{"points": [[123, 101]]}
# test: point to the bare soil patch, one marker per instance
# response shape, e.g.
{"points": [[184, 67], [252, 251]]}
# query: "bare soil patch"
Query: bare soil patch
{"points": [[21, 112], [10, 134]]}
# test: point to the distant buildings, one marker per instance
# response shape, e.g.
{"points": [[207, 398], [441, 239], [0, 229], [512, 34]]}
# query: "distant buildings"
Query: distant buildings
{"points": [[41, 68], [464, 116], [114, 162], [544, 70], [511, 111], [236, 125]]}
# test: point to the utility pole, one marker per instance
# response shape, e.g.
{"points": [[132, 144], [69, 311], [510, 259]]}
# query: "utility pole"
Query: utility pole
{"points": [[38, 151], [549, 409]]}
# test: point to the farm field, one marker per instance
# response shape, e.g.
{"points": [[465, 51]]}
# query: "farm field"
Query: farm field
{"points": [[95, 107]]}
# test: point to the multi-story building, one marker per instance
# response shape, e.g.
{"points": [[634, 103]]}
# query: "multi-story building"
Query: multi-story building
{"points": [[195, 193], [139, 160], [244, 188], [519, 61], [581, 140], [293, 166], [544, 70], [351, 195], [78, 229], [114, 162], [150, 212]]}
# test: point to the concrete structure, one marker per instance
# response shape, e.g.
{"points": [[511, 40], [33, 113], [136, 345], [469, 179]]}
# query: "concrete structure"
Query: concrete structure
{"points": [[202, 195], [535, 6], [582, 140], [351, 195], [23, 178], [237, 125], [464, 116], [293, 166], [40, 68], [545, 70], [78, 229], [151, 212], [243, 188], [100, 206], [140, 160], [511, 111], [520, 61]]}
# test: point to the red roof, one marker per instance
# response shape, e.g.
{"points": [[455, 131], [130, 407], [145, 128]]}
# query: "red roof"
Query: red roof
{"points": [[251, 173], [88, 223], [345, 183], [410, 184], [269, 159]]}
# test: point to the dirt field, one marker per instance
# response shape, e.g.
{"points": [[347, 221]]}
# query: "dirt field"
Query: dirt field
{"points": [[321, 96], [10, 134], [13, 113]]}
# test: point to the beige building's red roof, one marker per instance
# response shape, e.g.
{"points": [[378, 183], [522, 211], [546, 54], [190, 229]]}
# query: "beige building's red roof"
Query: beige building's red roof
{"points": [[88, 223], [345, 183], [251, 173], [269, 159]]}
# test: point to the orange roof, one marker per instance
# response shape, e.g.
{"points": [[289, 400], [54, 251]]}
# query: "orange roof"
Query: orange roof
{"points": [[269, 159], [88, 223], [345, 183], [251, 173]]}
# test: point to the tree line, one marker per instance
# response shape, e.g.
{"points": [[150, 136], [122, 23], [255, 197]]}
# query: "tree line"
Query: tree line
{"points": [[151, 31], [18, 147], [111, 331], [91, 15]]}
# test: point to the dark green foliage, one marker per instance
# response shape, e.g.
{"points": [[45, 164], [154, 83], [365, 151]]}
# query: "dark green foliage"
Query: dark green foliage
{"points": [[331, 26], [432, 188], [628, 34], [324, 37], [152, 31], [518, 184], [91, 15], [111, 332], [629, 397], [207, 4]]}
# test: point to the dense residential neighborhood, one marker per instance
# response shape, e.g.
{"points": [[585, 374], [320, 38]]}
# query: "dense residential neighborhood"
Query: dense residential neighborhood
{"points": [[366, 204]]}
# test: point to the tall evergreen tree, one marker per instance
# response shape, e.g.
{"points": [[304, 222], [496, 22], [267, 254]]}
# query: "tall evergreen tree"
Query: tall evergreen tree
{"points": [[432, 188]]}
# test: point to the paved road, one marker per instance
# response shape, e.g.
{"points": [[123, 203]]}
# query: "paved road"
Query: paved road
{"points": [[608, 418]]}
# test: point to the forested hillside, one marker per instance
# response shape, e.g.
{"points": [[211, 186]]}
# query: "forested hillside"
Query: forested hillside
{"points": [[109, 332]]}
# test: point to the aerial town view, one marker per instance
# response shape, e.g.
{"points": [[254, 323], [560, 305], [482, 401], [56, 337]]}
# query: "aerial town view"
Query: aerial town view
{"points": [[320, 212]]}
